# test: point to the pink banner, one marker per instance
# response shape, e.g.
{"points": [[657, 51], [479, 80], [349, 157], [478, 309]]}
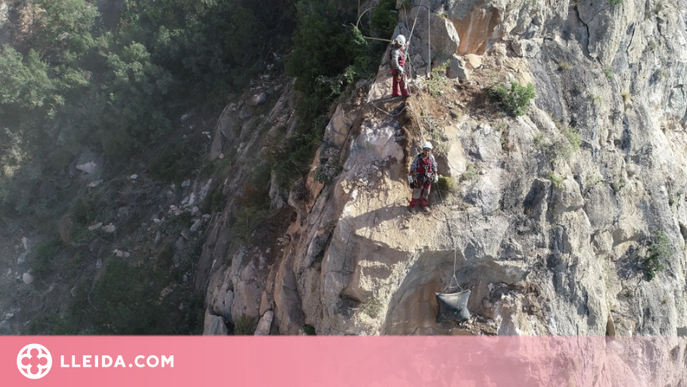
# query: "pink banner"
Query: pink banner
{"points": [[342, 361]]}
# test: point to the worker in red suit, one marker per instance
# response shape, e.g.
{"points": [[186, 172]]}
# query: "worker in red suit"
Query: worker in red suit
{"points": [[423, 172], [397, 61]]}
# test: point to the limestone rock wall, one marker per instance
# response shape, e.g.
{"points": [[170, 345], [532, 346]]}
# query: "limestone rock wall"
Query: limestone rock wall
{"points": [[550, 238], [570, 253]]}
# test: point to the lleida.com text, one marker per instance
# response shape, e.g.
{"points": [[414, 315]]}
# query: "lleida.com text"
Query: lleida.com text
{"points": [[106, 361]]}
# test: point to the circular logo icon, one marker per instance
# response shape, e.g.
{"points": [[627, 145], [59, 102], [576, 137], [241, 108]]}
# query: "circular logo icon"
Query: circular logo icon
{"points": [[34, 361]]}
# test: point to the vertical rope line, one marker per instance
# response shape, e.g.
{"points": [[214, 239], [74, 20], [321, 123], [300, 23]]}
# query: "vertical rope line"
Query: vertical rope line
{"points": [[429, 40]]}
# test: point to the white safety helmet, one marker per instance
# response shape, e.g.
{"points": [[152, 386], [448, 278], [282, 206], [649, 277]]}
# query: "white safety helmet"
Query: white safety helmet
{"points": [[401, 40], [427, 145]]}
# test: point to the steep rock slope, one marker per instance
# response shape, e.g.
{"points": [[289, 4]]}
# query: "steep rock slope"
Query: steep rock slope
{"points": [[551, 239]]}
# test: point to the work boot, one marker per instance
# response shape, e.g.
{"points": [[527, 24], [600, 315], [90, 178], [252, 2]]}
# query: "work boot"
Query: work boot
{"points": [[425, 209], [413, 210]]}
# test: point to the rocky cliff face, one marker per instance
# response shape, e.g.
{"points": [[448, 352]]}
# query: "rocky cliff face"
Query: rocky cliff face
{"points": [[554, 213]]}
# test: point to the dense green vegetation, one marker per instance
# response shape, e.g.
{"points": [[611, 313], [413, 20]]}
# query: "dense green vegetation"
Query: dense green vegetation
{"points": [[244, 326], [384, 18], [127, 300], [515, 99], [117, 86], [113, 80], [328, 55]]}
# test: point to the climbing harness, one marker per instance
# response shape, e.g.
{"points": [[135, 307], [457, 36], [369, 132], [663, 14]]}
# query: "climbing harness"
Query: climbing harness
{"points": [[409, 61], [407, 46], [428, 168]]}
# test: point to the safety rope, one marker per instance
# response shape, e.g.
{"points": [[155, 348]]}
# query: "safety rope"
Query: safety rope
{"points": [[454, 278], [410, 36], [455, 256], [455, 248], [413, 28], [429, 36], [427, 122], [408, 62]]}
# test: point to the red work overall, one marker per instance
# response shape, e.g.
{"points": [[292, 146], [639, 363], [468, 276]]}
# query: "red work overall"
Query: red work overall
{"points": [[397, 60], [423, 180]]}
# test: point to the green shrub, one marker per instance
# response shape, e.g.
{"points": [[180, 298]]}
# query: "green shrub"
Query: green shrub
{"points": [[252, 204], [557, 148], [247, 220], [176, 163], [42, 264], [470, 173], [556, 180], [372, 307], [86, 211], [514, 100], [618, 184], [24, 80], [659, 252], [437, 80], [125, 299], [73, 265], [215, 199], [244, 326], [293, 157], [165, 256], [384, 18], [446, 185], [309, 330], [51, 324], [132, 100], [593, 180], [573, 136], [615, 2]]}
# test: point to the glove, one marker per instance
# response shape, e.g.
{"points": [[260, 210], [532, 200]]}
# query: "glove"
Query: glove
{"points": [[410, 179], [435, 178], [401, 71]]}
